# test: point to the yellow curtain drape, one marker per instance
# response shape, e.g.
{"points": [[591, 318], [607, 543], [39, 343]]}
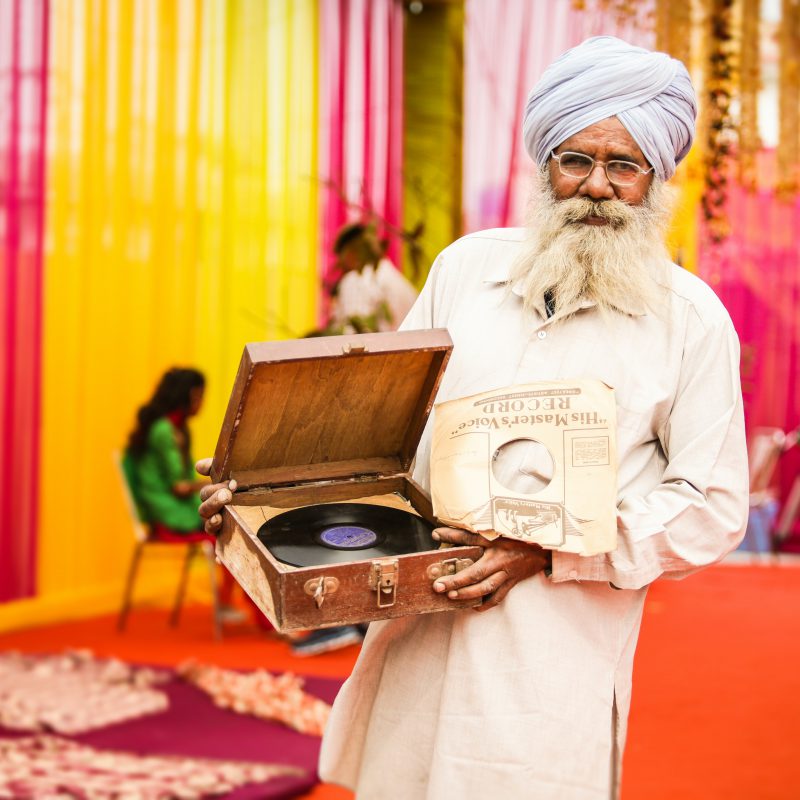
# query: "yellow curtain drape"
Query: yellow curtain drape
{"points": [[433, 100], [181, 223]]}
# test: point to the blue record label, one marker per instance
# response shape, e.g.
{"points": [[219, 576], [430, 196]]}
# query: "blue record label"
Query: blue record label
{"points": [[349, 537]]}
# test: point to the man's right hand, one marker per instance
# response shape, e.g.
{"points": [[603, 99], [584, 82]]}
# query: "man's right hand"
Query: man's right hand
{"points": [[214, 497]]}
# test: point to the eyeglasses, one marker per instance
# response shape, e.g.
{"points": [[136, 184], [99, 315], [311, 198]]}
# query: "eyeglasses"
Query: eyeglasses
{"points": [[579, 165]]}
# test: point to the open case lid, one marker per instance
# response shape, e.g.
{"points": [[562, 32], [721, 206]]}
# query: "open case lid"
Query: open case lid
{"points": [[329, 407]]}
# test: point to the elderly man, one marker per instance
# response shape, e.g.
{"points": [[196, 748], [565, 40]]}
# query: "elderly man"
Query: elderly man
{"points": [[529, 698]]}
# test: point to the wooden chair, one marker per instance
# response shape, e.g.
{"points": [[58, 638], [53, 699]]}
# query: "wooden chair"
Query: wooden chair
{"points": [[791, 508], [195, 543], [763, 450]]}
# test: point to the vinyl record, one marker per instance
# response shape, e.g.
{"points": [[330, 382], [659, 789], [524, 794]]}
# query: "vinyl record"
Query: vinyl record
{"points": [[336, 533]]}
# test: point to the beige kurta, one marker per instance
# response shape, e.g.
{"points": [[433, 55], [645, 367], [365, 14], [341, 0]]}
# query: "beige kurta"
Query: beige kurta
{"points": [[530, 699]]}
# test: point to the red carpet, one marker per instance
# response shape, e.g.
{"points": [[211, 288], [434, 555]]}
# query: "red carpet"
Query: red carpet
{"points": [[716, 698], [716, 707]]}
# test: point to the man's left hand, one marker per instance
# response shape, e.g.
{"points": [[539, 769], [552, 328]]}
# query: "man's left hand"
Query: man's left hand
{"points": [[504, 563]]}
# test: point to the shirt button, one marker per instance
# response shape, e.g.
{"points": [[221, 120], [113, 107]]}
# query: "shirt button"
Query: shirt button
{"points": [[542, 334], [573, 573]]}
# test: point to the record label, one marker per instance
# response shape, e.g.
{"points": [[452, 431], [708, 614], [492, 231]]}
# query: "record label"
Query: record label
{"points": [[348, 537]]}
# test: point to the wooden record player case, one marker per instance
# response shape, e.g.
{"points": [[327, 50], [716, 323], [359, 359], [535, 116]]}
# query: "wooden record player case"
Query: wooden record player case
{"points": [[331, 419]]}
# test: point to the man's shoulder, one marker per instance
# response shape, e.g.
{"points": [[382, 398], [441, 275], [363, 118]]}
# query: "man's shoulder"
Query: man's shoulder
{"points": [[491, 237], [692, 291], [486, 254]]}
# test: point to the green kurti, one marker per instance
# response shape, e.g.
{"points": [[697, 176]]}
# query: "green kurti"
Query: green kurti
{"points": [[152, 476]]}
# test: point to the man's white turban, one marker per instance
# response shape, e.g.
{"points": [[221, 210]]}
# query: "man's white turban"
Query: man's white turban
{"points": [[649, 93]]}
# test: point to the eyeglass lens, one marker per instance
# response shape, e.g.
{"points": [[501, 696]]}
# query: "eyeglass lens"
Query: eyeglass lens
{"points": [[577, 165]]}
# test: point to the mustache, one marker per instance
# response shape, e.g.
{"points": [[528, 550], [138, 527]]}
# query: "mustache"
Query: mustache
{"points": [[576, 209]]}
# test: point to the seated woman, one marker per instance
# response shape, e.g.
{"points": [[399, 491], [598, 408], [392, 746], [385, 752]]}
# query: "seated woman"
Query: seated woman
{"points": [[158, 461], [160, 470]]}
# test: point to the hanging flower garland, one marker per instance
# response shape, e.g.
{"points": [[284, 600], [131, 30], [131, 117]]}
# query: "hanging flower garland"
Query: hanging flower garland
{"points": [[673, 23], [623, 12], [749, 87], [789, 92], [729, 58], [719, 84]]}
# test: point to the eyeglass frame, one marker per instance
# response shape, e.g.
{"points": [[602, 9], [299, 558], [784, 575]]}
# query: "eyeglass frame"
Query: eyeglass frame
{"points": [[595, 162]]}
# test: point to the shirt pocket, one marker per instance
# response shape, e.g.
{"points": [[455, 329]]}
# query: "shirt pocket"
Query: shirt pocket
{"points": [[634, 412]]}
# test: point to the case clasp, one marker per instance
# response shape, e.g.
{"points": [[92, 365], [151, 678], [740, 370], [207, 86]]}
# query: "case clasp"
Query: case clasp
{"points": [[352, 349], [319, 588], [383, 579], [450, 566]]}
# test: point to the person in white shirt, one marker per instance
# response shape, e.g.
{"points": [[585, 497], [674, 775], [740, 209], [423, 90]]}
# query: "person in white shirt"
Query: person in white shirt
{"points": [[528, 698], [371, 295]]}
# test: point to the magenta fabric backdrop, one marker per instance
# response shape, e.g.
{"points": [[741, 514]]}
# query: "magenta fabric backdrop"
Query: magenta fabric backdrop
{"points": [[23, 64], [361, 114], [756, 274]]}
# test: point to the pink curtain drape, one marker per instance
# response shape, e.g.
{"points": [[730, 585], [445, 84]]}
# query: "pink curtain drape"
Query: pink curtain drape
{"points": [[23, 65], [756, 274], [497, 80], [361, 115]]}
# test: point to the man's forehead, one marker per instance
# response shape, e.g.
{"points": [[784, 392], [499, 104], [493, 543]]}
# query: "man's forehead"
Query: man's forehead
{"points": [[608, 134]]}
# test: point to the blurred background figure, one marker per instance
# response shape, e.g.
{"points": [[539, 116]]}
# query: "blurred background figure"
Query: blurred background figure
{"points": [[159, 468], [371, 294], [158, 460]]}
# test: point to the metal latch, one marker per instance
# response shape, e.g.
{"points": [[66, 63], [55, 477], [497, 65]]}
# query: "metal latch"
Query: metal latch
{"points": [[320, 588], [351, 348], [383, 579], [449, 566]]}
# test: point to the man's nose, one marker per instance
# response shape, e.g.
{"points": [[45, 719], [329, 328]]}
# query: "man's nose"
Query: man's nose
{"points": [[597, 185]]}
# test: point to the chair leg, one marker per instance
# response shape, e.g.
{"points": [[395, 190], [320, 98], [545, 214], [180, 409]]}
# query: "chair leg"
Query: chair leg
{"points": [[787, 517], [191, 550], [122, 618], [211, 559]]}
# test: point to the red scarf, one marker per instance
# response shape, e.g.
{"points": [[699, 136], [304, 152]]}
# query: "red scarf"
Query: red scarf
{"points": [[177, 418]]}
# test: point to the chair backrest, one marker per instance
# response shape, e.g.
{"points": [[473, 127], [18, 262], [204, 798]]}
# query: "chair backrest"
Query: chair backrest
{"points": [[790, 512], [764, 449], [140, 529]]}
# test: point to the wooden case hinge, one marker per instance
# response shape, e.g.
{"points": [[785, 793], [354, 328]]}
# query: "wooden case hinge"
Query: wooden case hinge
{"points": [[320, 588]]}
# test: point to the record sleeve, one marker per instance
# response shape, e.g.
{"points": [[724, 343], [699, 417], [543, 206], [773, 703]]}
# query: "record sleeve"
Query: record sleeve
{"points": [[534, 462]]}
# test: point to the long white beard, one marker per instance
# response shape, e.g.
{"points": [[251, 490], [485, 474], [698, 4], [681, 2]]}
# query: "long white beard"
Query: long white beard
{"points": [[622, 266]]}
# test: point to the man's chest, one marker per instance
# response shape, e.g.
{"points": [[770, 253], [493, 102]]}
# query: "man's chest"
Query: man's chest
{"points": [[497, 344]]}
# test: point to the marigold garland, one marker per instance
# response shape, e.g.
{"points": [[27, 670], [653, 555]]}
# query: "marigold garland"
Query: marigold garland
{"points": [[719, 82], [788, 142], [673, 29], [749, 87], [728, 52], [623, 12]]}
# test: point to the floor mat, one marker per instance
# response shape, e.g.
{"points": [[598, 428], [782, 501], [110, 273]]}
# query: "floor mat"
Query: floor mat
{"points": [[46, 766], [194, 727], [74, 692]]}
